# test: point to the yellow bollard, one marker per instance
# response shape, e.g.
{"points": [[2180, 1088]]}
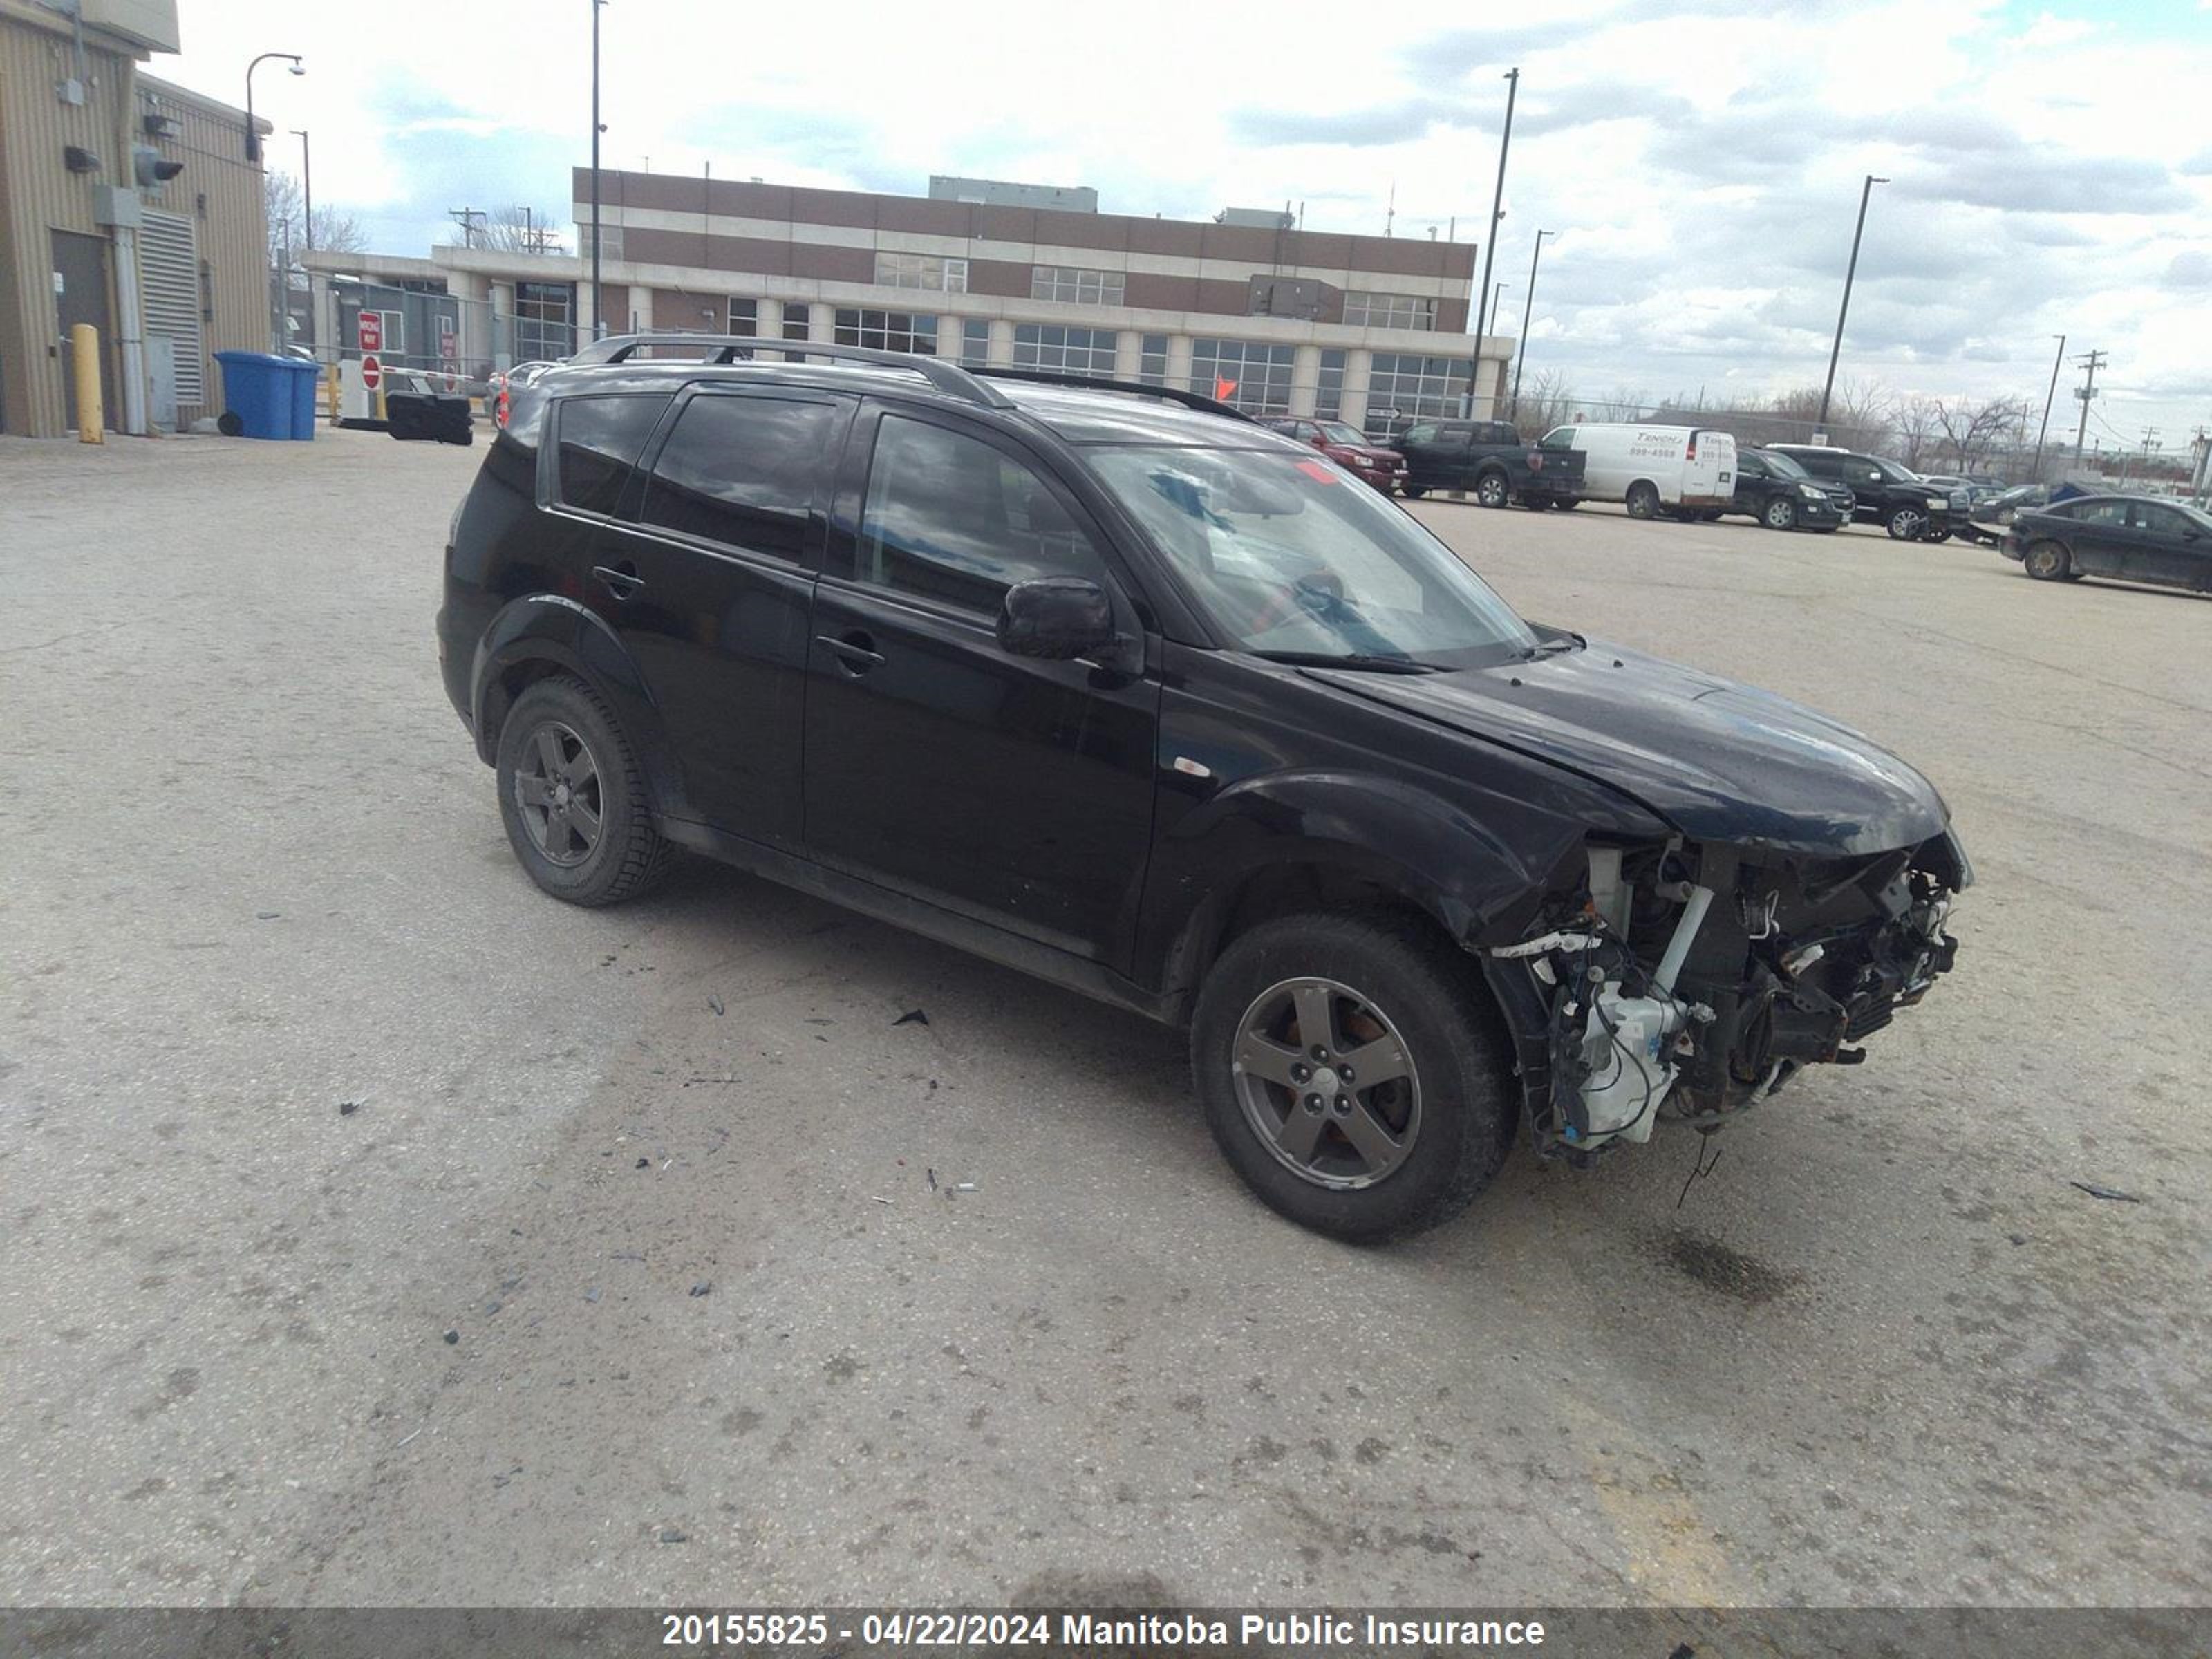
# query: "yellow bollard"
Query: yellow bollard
{"points": [[84, 363]]}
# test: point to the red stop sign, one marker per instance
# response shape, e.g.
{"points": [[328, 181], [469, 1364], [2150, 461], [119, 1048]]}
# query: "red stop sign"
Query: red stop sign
{"points": [[371, 371]]}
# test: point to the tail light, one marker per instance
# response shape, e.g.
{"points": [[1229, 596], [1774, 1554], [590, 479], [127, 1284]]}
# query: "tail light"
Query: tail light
{"points": [[1690, 453], [1535, 460]]}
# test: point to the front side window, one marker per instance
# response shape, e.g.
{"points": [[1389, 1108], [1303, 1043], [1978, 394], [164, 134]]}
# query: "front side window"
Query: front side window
{"points": [[743, 471], [953, 519], [1288, 555], [600, 439], [887, 331]]}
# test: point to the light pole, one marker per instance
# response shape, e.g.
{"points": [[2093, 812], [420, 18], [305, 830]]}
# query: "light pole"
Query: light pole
{"points": [[1490, 247], [1497, 297], [1528, 307], [306, 185], [598, 324], [252, 137], [1850, 271], [2036, 477]]}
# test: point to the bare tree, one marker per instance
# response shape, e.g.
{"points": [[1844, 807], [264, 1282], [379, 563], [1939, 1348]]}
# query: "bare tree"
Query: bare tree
{"points": [[1917, 422], [1545, 402], [1971, 431], [336, 232], [1859, 416], [510, 230]]}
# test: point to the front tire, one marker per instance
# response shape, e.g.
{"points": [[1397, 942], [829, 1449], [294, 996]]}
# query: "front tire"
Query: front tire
{"points": [[1642, 501], [1781, 514], [2048, 562], [1490, 490], [1906, 524], [1413, 492], [1344, 1073], [573, 798]]}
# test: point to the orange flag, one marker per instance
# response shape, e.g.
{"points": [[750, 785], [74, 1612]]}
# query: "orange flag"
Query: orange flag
{"points": [[1224, 390]]}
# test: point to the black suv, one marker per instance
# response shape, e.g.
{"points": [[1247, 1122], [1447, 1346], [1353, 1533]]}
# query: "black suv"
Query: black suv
{"points": [[1888, 493], [1781, 495], [1112, 684]]}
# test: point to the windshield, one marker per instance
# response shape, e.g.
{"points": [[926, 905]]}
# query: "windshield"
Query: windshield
{"points": [[1782, 467], [1337, 433], [1287, 554]]}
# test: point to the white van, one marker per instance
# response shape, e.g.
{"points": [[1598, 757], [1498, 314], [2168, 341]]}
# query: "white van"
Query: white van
{"points": [[1680, 470]]}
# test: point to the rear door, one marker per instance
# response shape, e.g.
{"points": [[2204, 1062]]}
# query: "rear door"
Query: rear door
{"points": [[1708, 469], [1013, 791], [709, 581]]}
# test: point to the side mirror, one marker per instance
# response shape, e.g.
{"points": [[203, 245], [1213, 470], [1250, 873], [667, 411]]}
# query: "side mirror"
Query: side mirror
{"points": [[1056, 618]]}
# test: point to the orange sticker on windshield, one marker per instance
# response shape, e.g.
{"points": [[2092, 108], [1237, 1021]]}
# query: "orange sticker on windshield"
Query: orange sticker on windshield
{"points": [[1316, 471]]}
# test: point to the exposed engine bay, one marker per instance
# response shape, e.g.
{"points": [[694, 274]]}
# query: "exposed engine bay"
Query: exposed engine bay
{"points": [[1690, 982]]}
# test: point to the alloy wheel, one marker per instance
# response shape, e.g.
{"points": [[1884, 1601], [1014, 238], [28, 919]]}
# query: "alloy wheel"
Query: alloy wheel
{"points": [[1327, 1083], [557, 789]]}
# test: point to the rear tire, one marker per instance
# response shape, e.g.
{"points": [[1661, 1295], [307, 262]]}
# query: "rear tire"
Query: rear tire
{"points": [[573, 799], [1642, 501], [1490, 490], [1780, 513], [2048, 562], [1415, 1134]]}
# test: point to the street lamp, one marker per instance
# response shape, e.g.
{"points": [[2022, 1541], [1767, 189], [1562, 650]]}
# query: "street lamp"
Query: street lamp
{"points": [[2042, 431], [252, 137], [1496, 294], [1490, 249], [1851, 271], [599, 326], [1521, 358]]}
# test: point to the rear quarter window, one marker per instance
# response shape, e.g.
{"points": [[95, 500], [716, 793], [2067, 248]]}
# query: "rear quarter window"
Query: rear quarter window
{"points": [[597, 443]]}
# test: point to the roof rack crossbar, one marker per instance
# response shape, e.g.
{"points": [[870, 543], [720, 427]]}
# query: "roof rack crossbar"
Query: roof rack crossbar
{"points": [[728, 347], [1197, 400]]}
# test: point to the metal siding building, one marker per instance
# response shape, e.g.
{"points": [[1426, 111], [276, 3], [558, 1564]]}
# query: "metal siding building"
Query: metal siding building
{"points": [[73, 109]]}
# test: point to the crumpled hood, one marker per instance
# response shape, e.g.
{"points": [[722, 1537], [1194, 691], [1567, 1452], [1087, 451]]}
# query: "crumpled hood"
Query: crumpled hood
{"points": [[1723, 762]]}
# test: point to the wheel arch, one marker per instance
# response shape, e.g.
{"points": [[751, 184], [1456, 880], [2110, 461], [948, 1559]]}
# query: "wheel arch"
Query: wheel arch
{"points": [[541, 634]]}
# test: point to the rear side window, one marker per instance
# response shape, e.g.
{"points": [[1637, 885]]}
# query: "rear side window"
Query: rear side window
{"points": [[599, 441], [952, 518], [744, 471]]}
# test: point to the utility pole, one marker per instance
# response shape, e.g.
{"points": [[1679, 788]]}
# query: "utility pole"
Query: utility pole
{"points": [[599, 326], [1529, 306], [1849, 272], [2095, 361], [467, 217], [2036, 477], [1490, 247]]}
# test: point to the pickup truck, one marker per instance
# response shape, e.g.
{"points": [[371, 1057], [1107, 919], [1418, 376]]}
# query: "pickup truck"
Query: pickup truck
{"points": [[1492, 460]]}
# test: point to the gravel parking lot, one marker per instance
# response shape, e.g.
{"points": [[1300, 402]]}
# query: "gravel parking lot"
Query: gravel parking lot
{"points": [[379, 1231]]}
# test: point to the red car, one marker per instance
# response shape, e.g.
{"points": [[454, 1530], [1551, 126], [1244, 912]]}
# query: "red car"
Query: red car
{"points": [[1347, 446]]}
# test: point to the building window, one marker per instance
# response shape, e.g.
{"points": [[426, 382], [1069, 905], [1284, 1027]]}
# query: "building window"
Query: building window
{"points": [[1071, 286], [1243, 374], [611, 241], [1068, 350], [794, 320], [545, 322], [1328, 390], [888, 331], [921, 271], [1364, 310], [975, 342], [744, 317], [1402, 389], [1152, 362]]}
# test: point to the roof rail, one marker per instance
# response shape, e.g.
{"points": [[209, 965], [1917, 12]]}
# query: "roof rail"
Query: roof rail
{"points": [[1197, 400], [728, 347]]}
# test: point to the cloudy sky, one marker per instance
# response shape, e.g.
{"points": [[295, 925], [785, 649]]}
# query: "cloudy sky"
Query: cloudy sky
{"points": [[1700, 159]]}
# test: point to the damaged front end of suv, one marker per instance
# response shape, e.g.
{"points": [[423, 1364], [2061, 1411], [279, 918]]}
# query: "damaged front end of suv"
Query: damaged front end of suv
{"points": [[1691, 981]]}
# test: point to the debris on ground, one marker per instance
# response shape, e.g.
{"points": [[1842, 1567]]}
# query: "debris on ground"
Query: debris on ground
{"points": [[592, 1295], [965, 1187], [267, 915], [2017, 1238], [715, 1003], [700, 1288], [672, 1536], [348, 1108], [932, 1174], [880, 1201], [912, 1017], [645, 1164], [2112, 1193], [452, 1337]]}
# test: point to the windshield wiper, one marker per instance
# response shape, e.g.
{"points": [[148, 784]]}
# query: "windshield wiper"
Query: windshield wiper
{"points": [[1352, 659]]}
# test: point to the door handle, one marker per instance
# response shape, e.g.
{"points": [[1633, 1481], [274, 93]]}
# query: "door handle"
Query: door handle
{"points": [[855, 651], [622, 580]]}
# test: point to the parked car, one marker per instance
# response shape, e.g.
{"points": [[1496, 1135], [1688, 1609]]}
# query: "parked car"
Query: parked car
{"points": [[1492, 460], [2137, 540], [1782, 495], [1887, 493], [1122, 689], [1683, 472], [1988, 520], [1349, 448]]}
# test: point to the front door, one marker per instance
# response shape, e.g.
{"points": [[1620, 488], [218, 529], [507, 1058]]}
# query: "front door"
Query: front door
{"points": [[1014, 791], [1436, 455], [708, 580], [2170, 547], [81, 296]]}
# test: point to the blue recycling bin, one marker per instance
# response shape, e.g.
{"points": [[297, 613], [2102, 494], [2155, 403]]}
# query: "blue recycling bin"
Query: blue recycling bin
{"points": [[272, 397]]}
